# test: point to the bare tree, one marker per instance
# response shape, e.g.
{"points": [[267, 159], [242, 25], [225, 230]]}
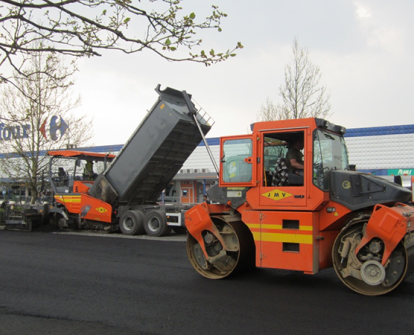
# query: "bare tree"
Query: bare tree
{"points": [[302, 94], [87, 27], [270, 112], [40, 118]]}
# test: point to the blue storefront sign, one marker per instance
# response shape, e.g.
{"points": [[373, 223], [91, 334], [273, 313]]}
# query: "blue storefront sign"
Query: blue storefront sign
{"points": [[57, 128]]}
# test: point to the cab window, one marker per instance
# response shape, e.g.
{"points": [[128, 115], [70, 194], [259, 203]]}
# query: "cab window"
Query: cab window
{"points": [[234, 160], [281, 152], [329, 153]]}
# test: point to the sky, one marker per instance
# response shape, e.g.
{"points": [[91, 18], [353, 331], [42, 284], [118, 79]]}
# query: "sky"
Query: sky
{"points": [[364, 49]]}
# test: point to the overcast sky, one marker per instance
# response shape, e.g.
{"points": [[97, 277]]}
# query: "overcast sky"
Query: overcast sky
{"points": [[364, 49]]}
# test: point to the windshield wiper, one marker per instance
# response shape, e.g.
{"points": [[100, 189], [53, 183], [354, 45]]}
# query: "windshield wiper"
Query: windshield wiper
{"points": [[329, 136]]}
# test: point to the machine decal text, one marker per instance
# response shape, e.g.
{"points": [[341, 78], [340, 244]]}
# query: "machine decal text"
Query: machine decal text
{"points": [[277, 195]]}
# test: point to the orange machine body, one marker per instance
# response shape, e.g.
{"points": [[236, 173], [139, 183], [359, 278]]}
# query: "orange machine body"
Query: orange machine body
{"points": [[73, 194], [294, 227], [87, 207]]}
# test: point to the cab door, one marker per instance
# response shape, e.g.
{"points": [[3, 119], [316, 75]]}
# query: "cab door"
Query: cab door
{"points": [[281, 186], [238, 161]]}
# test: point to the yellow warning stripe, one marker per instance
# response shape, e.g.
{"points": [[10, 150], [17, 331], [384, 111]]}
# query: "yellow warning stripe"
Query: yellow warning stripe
{"points": [[276, 227], [290, 238], [68, 198]]}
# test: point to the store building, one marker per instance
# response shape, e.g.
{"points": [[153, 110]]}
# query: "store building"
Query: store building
{"points": [[383, 151]]}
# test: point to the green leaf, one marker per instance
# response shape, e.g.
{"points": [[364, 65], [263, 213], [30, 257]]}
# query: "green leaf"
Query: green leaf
{"points": [[192, 16], [167, 42]]}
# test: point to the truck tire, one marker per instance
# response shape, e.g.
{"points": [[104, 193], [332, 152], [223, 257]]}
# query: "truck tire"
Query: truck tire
{"points": [[131, 223], [62, 223], [155, 224]]}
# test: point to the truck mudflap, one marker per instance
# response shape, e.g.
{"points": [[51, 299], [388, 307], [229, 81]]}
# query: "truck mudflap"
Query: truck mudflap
{"points": [[373, 254]]}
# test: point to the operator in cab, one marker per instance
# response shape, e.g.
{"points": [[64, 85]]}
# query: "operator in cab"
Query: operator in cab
{"points": [[88, 173], [294, 160]]}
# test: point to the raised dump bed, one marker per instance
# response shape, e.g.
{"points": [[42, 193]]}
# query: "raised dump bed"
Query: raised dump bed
{"points": [[155, 152]]}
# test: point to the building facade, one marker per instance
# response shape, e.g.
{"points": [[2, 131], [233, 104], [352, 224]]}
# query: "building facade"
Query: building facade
{"points": [[383, 151]]}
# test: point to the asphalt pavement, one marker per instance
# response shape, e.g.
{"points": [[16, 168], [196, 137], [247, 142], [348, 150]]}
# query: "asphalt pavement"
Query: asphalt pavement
{"points": [[78, 283]]}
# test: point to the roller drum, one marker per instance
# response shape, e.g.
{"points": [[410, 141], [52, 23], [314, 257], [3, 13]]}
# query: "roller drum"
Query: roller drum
{"points": [[222, 261], [363, 272]]}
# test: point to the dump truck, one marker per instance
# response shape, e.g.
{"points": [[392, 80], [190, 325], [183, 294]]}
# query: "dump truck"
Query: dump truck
{"points": [[123, 195], [266, 213]]}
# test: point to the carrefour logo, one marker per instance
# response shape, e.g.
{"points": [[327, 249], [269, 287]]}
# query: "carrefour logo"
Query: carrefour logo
{"points": [[57, 128]]}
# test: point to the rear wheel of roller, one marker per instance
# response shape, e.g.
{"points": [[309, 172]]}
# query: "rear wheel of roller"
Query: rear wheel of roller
{"points": [[239, 253], [364, 273]]}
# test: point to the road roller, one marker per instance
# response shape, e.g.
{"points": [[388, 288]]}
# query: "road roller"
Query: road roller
{"points": [[288, 198]]}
